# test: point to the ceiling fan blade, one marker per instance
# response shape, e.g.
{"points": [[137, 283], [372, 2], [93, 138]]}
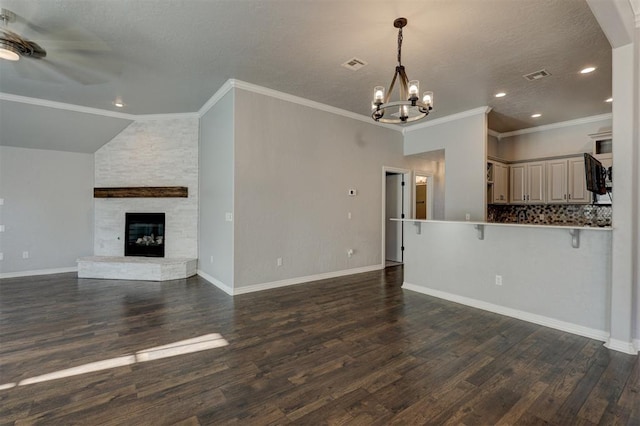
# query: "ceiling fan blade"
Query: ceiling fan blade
{"points": [[36, 70], [82, 75]]}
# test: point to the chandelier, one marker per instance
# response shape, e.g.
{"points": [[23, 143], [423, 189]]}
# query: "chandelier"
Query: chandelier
{"points": [[409, 108]]}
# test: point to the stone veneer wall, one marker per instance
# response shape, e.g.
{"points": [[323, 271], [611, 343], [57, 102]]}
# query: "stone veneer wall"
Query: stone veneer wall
{"points": [[159, 152], [552, 214]]}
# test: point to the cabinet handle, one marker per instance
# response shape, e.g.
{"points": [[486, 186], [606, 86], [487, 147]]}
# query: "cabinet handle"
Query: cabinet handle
{"points": [[564, 196], [569, 196]]}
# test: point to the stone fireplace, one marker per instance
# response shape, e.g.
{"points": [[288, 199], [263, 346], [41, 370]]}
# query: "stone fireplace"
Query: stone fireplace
{"points": [[160, 152], [144, 234]]}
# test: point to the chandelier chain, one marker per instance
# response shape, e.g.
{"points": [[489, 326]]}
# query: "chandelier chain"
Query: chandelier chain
{"points": [[399, 46]]}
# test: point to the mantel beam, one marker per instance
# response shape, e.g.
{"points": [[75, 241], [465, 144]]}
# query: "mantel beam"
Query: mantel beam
{"points": [[142, 192]]}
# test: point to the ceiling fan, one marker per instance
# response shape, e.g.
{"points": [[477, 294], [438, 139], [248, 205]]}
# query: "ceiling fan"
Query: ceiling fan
{"points": [[12, 45], [71, 53]]}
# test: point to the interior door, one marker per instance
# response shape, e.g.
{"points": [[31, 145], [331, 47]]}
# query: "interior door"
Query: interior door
{"points": [[394, 209], [421, 201]]}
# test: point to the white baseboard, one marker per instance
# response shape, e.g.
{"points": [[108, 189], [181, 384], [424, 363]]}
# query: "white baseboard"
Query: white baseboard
{"points": [[622, 346], [38, 272], [222, 286], [298, 280], [301, 280], [514, 313]]}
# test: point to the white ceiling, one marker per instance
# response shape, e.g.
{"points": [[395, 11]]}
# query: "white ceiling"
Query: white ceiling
{"points": [[171, 56]]}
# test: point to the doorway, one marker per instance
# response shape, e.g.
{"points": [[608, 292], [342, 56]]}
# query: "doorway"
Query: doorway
{"points": [[396, 205], [423, 195]]}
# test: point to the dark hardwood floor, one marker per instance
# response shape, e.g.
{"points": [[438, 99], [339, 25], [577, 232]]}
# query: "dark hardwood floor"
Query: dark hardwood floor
{"points": [[351, 350]]}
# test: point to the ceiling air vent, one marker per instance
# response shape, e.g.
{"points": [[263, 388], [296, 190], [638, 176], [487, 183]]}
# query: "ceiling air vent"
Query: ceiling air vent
{"points": [[537, 75], [354, 64]]}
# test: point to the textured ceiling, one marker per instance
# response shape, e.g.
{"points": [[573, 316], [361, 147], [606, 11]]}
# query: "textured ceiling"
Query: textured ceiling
{"points": [[170, 56]]}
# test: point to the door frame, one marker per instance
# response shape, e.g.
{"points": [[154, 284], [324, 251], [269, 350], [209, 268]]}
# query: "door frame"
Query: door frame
{"points": [[408, 201], [429, 176]]}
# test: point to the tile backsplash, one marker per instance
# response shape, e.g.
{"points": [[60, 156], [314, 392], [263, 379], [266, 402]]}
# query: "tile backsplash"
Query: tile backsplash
{"points": [[552, 214]]}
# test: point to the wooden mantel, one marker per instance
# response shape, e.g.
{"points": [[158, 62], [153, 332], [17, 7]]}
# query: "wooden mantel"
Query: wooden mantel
{"points": [[142, 192]]}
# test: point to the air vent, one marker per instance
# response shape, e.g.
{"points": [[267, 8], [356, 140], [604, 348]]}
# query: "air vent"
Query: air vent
{"points": [[537, 75], [354, 64]]}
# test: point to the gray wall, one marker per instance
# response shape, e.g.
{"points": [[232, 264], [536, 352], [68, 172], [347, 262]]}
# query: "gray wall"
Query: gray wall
{"points": [[215, 251], [552, 142], [465, 145], [294, 166], [48, 209]]}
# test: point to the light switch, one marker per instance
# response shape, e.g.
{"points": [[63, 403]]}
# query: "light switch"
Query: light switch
{"points": [[228, 217]]}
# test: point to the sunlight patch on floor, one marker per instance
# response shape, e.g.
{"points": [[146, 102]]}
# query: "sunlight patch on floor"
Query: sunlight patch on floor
{"points": [[196, 344]]}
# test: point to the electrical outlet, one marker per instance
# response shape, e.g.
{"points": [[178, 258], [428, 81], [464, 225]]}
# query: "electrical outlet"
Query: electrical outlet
{"points": [[1, 201], [211, 259], [541, 217], [349, 215], [279, 261], [1, 228], [467, 216], [350, 252], [498, 279], [228, 217], [25, 254]]}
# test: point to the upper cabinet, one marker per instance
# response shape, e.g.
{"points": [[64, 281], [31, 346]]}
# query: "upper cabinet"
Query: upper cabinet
{"points": [[497, 183], [566, 181], [527, 183]]}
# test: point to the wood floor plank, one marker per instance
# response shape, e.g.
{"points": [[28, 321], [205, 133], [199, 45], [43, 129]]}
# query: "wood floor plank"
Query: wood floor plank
{"points": [[354, 350]]}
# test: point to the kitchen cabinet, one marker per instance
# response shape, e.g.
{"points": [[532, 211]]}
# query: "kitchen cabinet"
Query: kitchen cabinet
{"points": [[566, 181], [527, 183], [497, 183]]}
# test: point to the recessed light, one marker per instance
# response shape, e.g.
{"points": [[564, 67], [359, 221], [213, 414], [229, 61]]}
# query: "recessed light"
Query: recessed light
{"points": [[536, 115], [609, 100], [118, 103], [500, 95], [588, 70]]}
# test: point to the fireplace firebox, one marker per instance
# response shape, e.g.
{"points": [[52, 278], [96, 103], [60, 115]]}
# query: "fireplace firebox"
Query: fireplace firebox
{"points": [[144, 234]]}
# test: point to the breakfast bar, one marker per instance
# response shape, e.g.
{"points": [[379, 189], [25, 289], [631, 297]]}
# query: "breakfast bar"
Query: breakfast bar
{"points": [[557, 276]]}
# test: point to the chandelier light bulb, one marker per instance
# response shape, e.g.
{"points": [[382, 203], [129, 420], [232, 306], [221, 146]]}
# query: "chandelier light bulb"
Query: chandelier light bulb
{"points": [[378, 94], [427, 98], [414, 88]]}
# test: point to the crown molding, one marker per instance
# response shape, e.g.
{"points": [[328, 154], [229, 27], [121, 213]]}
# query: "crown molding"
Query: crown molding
{"points": [[493, 133], [448, 118], [558, 125], [64, 106], [94, 111], [254, 88], [228, 85]]}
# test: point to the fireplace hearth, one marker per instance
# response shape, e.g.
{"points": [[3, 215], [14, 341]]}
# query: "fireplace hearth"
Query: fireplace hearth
{"points": [[144, 234]]}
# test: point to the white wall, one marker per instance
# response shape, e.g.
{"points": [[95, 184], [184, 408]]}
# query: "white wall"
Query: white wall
{"points": [[293, 168], [47, 211], [159, 152], [216, 192], [543, 275], [465, 145], [565, 140]]}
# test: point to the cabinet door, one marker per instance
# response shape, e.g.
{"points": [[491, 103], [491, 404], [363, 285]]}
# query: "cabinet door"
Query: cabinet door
{"points": [[517, 184], [557, 181], [577, 182], [500, 183], [536, 179]]}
